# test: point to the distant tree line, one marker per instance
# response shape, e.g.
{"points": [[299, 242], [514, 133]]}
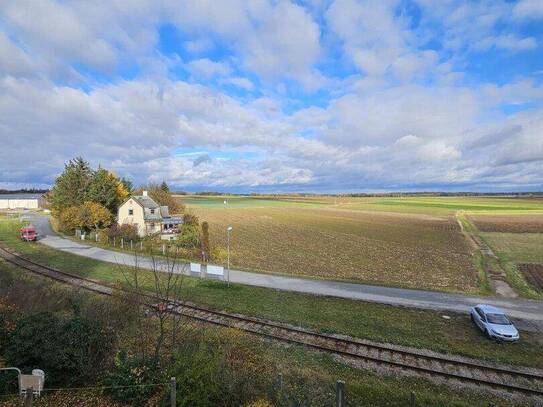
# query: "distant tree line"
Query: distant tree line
{"points": [[23, 191]]}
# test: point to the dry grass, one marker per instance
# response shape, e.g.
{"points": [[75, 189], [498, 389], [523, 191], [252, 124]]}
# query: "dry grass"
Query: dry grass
{"points": [[509, 223], [382, 248]]}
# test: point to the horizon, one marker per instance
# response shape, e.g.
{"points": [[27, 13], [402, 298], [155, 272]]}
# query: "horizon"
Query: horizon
{"points": [[286, 96]]}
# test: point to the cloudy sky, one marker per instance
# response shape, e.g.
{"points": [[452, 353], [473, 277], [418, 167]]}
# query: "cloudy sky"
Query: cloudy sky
{"points": [[315, 95]]}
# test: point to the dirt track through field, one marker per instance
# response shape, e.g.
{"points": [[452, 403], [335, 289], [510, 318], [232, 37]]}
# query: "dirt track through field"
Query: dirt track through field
{"points": [[496, 273]]}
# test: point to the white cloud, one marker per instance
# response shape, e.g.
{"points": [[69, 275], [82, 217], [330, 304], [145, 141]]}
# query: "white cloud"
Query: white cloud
{"points": [[239, 82], [509, 42], [529, 9], [394, 113], [206, 68], [199, 45]]}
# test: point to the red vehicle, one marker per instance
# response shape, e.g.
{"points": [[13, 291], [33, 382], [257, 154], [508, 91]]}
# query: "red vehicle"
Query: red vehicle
{"points": [[28, 233]]}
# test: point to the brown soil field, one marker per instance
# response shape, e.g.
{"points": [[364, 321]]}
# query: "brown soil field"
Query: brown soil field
{"points": [[509, 223], [381, 248], [533, 273]]}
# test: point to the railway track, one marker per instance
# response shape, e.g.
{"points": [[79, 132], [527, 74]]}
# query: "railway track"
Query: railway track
{"points": [[499, 378]]}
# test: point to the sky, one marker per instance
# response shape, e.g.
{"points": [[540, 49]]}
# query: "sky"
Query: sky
{"points": [[275, 96]]}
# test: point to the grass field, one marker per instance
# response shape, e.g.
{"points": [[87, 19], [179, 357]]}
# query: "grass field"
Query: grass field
{"points": [[517, 247], [360, 319]]}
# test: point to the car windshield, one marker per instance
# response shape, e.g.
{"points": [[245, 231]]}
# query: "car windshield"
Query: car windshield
{"points": [[498, 319]]}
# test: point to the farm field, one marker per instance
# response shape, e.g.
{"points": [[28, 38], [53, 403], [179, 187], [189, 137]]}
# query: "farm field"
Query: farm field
{"points": [[378, 322], [509, 223], [517, 240], [516, 247], [412, 242]]}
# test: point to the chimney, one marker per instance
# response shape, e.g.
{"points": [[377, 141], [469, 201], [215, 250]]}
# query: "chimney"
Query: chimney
{"points": [[144, 193]]}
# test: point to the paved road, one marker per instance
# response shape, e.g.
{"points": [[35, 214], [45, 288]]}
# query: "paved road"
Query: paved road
{"points": [[531, 312]]}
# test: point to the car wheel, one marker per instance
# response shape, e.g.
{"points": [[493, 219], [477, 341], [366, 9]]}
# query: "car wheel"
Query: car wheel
{"points": [[472, 319]]}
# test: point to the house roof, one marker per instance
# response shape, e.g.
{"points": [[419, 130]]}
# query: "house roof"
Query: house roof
{"points": [[164, 211], [20, 196], [153, 217], [145, 201]]}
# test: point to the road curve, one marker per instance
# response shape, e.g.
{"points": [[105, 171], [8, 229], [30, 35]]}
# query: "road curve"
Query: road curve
{"points": [[528, 312]]}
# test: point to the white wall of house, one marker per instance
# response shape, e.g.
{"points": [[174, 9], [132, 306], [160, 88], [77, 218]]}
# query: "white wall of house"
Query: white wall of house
{"points": [[132, 213]]}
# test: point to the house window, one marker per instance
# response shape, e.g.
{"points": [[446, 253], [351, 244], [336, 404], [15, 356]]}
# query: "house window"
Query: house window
{"points": [[152, 211], [131, 212]]}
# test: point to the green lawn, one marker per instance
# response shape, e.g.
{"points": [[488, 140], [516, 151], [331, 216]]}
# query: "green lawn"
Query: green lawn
{"points": [[517, 247], [418, 328]]}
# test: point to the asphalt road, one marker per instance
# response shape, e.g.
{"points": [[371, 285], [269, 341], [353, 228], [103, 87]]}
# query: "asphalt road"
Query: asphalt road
{"points": [[529, 311]]}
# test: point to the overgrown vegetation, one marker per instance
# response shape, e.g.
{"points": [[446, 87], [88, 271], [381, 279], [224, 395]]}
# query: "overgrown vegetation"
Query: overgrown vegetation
{"points": [[382, 323], [213, 366]]}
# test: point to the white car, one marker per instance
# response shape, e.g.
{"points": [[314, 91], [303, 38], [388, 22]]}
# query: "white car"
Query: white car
{"points": [[494, 323]]}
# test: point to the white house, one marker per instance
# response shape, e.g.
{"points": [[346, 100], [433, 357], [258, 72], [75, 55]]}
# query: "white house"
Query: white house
{"points": [[149, 217], [21, 201]]}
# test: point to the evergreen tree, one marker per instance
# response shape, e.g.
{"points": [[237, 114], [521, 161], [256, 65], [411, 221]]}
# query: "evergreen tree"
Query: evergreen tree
{"points": [[107, 190], [164, 187], [127, 185], [72, 186]]}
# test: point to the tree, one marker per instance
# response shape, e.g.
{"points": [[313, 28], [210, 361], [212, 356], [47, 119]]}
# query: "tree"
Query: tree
{"points": [[108, 190], [163, 198], [127, 185], [72, 186], [69, 219], [165, 286], [92, 215], [205, 241], [164, 187]]}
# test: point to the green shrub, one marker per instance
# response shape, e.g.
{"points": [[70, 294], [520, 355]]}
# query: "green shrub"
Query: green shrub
{"points": [[133, 379], [72, 351]]}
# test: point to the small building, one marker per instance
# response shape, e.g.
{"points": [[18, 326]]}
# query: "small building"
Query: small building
{"points": [[149, 217], [21, 201]]}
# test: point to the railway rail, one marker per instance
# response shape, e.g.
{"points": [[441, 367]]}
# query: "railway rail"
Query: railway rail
{"points": [[499, 378]]}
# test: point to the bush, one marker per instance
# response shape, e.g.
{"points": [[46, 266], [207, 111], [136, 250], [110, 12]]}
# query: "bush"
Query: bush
{"points": [[189, 237], [68, 219], [190, 220], [71, 351], [126, 231], [133, 377]]}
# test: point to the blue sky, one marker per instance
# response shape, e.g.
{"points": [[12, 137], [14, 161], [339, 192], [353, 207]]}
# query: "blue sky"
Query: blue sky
{"points": [[275, 96]]}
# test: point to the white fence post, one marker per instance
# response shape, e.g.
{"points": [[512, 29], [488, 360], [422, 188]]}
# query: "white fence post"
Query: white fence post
{"points": [[122, 242]]}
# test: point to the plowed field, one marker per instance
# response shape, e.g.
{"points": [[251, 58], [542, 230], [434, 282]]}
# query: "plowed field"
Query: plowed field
{"points": [[509, 223], [406, 250]]}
